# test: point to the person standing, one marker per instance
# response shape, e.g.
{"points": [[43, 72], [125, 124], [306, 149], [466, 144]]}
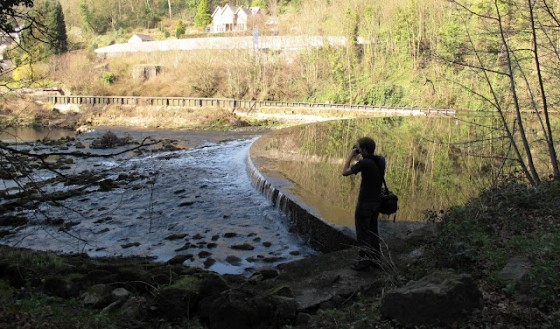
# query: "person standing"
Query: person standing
{"points": [[372, 169]]}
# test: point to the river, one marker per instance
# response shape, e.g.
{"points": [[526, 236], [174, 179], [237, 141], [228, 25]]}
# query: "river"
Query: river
{"points": [[192, 204]]}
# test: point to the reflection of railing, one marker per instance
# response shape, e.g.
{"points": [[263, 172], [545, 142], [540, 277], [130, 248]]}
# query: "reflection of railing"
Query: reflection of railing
{"points": [[232, 104]]}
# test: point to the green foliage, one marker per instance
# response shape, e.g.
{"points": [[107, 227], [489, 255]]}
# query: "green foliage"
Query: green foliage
{"points": [[6, 291], [203, 16], [39, 262], [387, 94], [260, 3], [95, 20], [57, 42], [179, 29], [359, 314], [38, 44], [190, 283], [513, 220], [107, 77]]}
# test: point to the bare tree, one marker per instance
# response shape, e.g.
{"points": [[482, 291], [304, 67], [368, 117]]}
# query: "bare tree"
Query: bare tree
{"points": [[510, 67]]}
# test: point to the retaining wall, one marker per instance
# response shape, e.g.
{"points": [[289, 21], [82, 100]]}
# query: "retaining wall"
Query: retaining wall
{"points": [[234, 104], [318, 233]]}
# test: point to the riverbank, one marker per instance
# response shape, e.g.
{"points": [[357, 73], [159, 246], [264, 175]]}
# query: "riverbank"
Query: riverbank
{"points": [[481, 240], [317, 292], [28, 110]]}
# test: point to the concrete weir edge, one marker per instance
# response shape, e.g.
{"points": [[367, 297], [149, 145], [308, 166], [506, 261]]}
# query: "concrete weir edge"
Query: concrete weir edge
{"points": [[316, 231]]}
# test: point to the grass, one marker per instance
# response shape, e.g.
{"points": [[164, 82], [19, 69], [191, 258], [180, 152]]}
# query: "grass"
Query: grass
{"points": [[37, 310], [479, 239], [515, 220]]}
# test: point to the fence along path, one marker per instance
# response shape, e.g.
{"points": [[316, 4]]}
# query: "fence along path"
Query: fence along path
{"points": [[233, 104]]}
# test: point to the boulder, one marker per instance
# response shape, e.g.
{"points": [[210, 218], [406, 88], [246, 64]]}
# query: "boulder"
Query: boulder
{"points": [[516, 274], [97, 296], [243, 309], [438, 298]]}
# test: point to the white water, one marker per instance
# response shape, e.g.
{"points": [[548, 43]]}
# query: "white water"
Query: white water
{"points": [[204, 193]]}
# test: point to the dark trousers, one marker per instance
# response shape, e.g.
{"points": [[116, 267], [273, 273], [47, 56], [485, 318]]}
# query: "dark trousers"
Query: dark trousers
{"points": [[367, 232]]}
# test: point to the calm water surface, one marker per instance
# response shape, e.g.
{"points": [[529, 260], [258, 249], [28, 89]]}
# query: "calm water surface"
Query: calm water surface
{"points": [[432, 163]]}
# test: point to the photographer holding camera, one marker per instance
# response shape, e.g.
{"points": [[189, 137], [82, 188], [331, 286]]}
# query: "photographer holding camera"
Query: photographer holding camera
{"points": [[372, 168]]}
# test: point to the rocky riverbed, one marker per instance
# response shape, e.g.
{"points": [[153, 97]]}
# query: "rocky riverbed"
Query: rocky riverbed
{"points": [[184, 198]]}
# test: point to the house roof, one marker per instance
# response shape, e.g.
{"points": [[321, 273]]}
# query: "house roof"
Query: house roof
{"points": [[144, 37], [216, 11], [221, 10], [248, 11]]}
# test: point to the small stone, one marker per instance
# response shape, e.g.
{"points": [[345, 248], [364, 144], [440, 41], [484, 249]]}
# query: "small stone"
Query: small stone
{"points": [[273, 259], [180, 259], [267, 244], [230, 235], [244, 246], [204, 254], [233, 260], [130, 245], [120, 293], [176, 236], [209, 262], [185, 247]]}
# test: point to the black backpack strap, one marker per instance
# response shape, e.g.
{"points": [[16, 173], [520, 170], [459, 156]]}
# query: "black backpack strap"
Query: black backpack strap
{"points": [[382, 174]]}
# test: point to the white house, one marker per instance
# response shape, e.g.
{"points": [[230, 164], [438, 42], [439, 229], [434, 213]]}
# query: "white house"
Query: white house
{"points": [[234, 19], [137, 38]]}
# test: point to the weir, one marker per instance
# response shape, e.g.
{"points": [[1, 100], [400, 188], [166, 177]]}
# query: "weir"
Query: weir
{"points": [[303, 219]]}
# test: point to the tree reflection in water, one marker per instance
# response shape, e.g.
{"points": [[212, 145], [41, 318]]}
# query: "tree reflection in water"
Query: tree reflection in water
{"points": [[433, 162]]}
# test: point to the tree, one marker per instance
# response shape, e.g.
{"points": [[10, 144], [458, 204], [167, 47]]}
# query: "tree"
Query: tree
{"points": [[179, 29], [260, 3], [508, 44], [54, 20], [50, 40], [203, 16]]}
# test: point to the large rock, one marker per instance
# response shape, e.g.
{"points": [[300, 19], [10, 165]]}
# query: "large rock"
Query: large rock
{"points": [[242, 309], [516, 273], [97, 296], [439, 298]]}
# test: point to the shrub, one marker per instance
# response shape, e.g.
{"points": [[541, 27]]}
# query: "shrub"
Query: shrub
{"points": [[108, 77]]}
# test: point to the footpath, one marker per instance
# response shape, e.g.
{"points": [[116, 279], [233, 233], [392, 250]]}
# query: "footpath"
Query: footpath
{"points": [[326, 280]]}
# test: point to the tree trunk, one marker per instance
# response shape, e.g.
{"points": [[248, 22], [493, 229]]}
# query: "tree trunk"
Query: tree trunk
{"points": [[548, 132], [170, 12], [513, 87]]}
